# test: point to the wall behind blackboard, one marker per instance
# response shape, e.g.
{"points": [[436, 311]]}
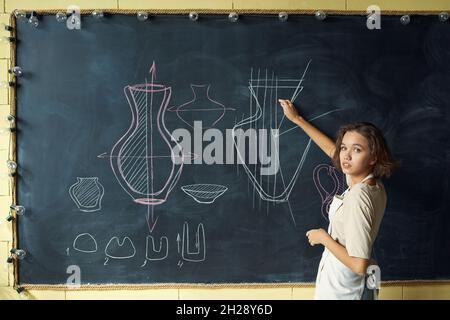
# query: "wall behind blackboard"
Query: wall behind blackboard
{"points": [[72, 110]]}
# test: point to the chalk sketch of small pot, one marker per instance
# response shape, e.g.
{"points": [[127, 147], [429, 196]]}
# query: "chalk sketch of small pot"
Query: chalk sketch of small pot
{"points": [[87, 193], [204, 192], [119, 249], [85, 242]]}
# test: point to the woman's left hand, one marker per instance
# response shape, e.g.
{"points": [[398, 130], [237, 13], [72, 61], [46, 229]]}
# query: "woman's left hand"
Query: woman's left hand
{"points": [[316, 236]]}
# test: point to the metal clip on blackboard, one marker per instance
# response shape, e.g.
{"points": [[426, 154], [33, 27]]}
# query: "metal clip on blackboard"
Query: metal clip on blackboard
{"points": [[6, 84], [22, 293], [7, 39], [142, 16], [443, 16], [233, 17], [12, 166], [6, 27], [10, 118], [33, 20], [405, 19], [19, 254], [19, 210], [20, 14], [320, 15], [283, 16], [15, 209], [61, 17], [193, 16], [16, 71], [98, 14]]}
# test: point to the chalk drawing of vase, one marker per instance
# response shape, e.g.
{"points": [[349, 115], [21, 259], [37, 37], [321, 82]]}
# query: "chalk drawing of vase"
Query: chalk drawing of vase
{"points": [[275, 173], [87, 193], [271, 161], [201, 108], [146, 160], [332, 180]]}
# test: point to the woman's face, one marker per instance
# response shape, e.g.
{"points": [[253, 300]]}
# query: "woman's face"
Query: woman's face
{"points": [[354, 154]]}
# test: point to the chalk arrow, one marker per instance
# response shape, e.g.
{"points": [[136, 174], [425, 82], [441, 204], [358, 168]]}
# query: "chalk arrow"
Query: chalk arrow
{"points": [[153, 223]]}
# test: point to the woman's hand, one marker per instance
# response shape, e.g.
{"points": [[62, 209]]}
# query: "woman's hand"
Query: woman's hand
{"points": [[317, 236], [289, 110]]}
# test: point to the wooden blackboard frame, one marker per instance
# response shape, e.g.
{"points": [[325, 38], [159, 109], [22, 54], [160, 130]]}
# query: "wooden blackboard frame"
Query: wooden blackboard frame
{"points": [[12, 154]]}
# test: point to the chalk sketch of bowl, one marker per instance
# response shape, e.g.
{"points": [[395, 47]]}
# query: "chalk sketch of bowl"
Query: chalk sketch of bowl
{"points": [[204, 193]]}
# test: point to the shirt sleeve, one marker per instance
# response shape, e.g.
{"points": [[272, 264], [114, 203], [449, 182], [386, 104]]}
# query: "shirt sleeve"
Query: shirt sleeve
{"points": [[358, 211]]}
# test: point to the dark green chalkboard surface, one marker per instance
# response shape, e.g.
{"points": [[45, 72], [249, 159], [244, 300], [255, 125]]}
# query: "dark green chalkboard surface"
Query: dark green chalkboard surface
{"points": [[156, 152]]}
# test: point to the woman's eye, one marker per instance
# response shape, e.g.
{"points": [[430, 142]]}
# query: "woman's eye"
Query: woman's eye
{"points": [[342, 148], [357, 150]]}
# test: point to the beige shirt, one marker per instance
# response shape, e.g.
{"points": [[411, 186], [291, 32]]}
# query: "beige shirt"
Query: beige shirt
{"points": [[357, 220], [354, 223]]}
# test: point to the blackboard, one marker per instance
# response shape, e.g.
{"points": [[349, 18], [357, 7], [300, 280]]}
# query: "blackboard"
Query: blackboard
{"points": [[123, 211]]}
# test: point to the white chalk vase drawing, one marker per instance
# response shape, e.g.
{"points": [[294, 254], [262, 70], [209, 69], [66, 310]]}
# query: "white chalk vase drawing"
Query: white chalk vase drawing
{"points": [[201, 108], [143, 159], [266, 116], [87, 193]]}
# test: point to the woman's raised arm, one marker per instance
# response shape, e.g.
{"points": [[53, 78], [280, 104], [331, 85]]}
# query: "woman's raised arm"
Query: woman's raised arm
{"points": [[322, 140]]}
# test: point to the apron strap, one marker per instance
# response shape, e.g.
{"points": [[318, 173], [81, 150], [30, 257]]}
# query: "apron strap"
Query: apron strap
{"points": [[366, 178]]}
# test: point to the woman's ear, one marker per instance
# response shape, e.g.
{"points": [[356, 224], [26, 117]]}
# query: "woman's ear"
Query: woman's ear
{"points": [[373, 161]]}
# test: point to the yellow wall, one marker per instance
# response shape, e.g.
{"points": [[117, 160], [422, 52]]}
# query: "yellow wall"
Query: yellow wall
{"points": [[7, 6]]}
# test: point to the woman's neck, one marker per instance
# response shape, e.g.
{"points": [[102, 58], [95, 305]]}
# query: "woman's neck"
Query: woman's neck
{"points": [[352, 180]]}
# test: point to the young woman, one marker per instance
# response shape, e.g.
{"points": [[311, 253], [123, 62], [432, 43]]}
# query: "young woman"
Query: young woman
{"points": [[361, 153]]}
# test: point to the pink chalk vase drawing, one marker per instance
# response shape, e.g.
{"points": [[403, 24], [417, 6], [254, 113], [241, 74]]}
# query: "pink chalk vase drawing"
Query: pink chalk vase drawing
{"points": [[334, 178], [145, 160]]}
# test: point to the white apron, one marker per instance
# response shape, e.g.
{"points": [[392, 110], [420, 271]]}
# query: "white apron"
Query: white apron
{"points": [[335, 281]]}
